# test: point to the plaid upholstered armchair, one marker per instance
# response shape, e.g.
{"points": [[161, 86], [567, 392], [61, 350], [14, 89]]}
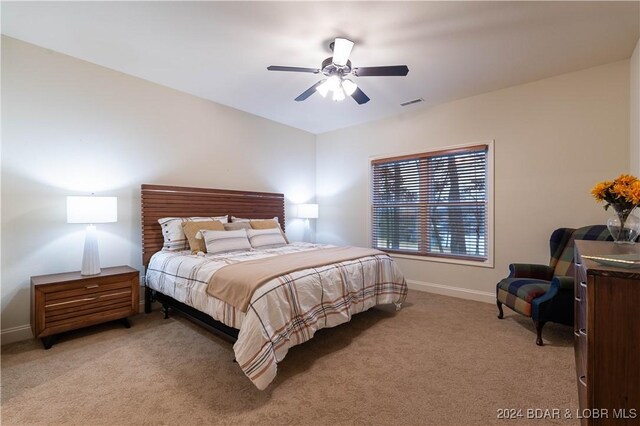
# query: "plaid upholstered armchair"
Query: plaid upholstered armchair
{"points": [[545, 293]]}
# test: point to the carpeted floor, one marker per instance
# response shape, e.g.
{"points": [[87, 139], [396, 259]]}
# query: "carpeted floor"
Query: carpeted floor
{"points": [[439, 360]]}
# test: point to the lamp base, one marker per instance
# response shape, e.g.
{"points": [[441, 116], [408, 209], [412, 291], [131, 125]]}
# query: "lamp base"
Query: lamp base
{"points": [[90, 258]]}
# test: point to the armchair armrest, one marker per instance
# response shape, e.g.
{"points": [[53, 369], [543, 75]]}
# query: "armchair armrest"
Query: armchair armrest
{"points": [[526, 270], [563, 282]]}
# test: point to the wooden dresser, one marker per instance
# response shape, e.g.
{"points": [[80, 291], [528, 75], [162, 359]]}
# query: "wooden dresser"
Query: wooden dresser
{"points": [[607, 336], [63, 302]]}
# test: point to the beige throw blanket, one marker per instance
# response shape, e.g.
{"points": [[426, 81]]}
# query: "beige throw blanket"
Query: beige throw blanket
{"points": [[236, 283]]}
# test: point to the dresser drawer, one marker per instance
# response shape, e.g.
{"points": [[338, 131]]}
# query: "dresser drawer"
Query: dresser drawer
{"points": [[581, 272], [580, 321], [583, 396], [580, 350]]}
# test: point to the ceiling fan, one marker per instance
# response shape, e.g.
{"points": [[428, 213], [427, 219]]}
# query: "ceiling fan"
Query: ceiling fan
{"points": [[337, 68]]}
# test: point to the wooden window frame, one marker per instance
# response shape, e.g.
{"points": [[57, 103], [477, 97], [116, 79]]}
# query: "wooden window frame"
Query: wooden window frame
{"points": [[484, 261]]}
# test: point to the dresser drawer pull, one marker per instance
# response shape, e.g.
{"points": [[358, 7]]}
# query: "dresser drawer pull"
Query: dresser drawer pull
{"points": [[578, 299], [582, 380], [92, 286], [583, 284], [583, 331]]}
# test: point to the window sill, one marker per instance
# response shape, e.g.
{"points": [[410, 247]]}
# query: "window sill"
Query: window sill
{"points": [[484, 264]]}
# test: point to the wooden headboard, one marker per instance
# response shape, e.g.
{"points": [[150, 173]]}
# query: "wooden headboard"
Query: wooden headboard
{"points": [[160, 201]]}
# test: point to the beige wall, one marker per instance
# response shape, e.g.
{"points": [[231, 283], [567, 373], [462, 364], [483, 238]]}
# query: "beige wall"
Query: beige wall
{"points": [[70, 127], [634, 110], [554, 139]]}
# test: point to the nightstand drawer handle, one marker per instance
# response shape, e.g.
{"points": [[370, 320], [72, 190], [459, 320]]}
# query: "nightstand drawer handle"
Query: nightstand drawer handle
{"points": [[582, 380], [583, 284], [92, 286]]}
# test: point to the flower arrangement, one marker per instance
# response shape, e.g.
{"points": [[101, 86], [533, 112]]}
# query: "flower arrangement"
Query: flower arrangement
{"points": [[623, 193]]}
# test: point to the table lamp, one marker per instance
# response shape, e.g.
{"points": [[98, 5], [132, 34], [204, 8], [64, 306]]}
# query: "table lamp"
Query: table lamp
{"points": [[308, 211], [91, 210]]}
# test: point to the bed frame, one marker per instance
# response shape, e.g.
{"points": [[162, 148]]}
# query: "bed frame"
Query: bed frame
{"points": [[160, 201]]}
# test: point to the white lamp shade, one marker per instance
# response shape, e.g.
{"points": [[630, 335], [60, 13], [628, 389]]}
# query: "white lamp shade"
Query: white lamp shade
{"points": [[308, 211], [349, 87], [341, 51], [338, 95], [92, 209], [323, 89], [333, 82]]}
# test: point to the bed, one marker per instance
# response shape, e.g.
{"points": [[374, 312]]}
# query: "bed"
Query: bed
{"points": [[284, 311]]}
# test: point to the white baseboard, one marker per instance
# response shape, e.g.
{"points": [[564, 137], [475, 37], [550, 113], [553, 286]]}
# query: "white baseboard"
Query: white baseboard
{"points": [[15, 334], [446, 290]]}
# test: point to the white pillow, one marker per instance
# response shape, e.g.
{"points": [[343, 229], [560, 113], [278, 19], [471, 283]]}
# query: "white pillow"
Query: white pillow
{"points": [[266, 238], [225, 241], [174, 238]]}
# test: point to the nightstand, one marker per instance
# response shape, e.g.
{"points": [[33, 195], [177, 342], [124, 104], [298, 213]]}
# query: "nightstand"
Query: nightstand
{"points": [[63, 302]]}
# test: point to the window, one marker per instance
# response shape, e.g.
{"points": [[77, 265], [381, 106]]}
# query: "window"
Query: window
{"points": [[432, 204]]}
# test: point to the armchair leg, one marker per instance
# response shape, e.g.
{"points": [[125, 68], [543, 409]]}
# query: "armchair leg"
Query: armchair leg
{"points": [[539, 325], [500, 314]]}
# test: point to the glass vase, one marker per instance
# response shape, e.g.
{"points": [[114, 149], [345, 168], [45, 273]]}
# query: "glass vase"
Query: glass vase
{"points": [[623, 226]]}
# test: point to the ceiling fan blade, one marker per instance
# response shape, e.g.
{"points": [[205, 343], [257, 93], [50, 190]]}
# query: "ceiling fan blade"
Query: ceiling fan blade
{"points": [[393, 70], [360, 97], [341, 51], [293, 69], [310, 91]]}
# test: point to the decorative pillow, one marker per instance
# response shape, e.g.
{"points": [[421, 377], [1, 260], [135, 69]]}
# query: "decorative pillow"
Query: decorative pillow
{"points": [[263, 224], [174, 238], [236, 225], [268, 224], [266, 238], [191, 229], [226, 241], [242, 219]]}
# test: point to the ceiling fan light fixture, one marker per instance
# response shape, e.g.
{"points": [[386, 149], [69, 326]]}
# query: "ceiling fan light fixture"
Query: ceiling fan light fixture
{"points": [[349, 87], [323, 88], [333, 82], [336, 68], [338, 95], [341, 51]]}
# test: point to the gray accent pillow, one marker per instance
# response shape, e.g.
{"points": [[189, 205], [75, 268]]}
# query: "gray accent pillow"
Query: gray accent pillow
{"points": [[237, 225]]}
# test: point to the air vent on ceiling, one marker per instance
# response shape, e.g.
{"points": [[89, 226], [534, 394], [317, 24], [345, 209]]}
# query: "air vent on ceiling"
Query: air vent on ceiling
{"points": [[415, 101]]}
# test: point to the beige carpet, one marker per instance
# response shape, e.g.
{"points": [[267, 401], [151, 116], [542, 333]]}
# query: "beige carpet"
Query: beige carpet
{"points": [[438, 361]]}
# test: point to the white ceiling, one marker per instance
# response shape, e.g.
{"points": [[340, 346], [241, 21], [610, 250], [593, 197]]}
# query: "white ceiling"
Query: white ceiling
{"points": [[220, 50]]}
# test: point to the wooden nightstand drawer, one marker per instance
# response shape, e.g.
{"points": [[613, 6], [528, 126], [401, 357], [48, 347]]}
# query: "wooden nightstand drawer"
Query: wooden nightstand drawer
{"points": [[86, 287], [77, 308], [63, 302]]}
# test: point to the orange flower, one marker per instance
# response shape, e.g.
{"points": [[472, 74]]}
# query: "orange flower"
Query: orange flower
{"points": [[619, 190], [633, 194], [624, 191], [625, 179], [599, 191]]}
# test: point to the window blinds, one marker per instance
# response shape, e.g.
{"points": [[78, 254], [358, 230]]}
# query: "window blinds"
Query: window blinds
{"points": [[432, 204]]}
